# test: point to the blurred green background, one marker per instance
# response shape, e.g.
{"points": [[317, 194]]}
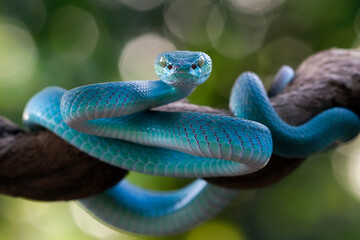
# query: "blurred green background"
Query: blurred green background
{"points": [[70, 43]]}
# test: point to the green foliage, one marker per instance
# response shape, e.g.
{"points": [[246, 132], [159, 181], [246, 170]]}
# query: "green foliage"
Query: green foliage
{"points": [[71, 43]]}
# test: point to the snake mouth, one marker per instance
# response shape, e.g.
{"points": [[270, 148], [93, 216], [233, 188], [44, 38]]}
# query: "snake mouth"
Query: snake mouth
{"points": [[183, 74]]}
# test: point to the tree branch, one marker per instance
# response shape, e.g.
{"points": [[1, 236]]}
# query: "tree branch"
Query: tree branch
{"points": [[42, 166]]}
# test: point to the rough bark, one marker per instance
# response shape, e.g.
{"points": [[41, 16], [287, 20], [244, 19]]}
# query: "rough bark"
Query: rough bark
{"points": [[42, 166]]}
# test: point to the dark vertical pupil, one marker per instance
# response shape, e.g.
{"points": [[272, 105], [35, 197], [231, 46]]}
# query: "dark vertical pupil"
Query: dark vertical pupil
{"points": [[169, 67], [193, 66]]}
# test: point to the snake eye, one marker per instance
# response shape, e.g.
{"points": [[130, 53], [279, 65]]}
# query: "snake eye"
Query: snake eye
{"points": [[162, 61], [201, 61]]}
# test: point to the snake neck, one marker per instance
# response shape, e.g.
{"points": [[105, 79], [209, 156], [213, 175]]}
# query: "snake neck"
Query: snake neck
{"points": [[184, 90]]}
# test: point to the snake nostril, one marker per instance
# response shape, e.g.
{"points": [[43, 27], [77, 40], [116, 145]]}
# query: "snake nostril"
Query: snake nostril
{"points": [[169, 67], [193, 66]]}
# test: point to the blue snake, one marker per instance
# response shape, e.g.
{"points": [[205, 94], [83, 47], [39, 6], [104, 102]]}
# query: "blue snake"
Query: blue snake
{"points": [[113, 122]]}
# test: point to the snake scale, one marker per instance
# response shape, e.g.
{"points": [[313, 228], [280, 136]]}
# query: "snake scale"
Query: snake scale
{"points": [[113, 122]]}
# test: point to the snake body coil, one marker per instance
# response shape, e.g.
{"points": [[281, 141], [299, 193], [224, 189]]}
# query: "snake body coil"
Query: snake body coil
{"points": [[112, 122]]}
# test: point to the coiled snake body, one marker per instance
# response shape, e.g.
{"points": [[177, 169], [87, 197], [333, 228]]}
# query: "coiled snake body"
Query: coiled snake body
{"points": [[112, 122]]}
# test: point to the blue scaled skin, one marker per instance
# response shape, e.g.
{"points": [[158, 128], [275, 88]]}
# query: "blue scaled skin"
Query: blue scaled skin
{"points": [[112, 122]]}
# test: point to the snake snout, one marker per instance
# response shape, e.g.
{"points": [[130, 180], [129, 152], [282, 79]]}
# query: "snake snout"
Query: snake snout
{"points": [[182, 68], [176, 67]]}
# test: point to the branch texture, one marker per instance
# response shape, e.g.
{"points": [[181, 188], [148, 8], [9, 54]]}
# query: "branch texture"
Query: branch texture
{"points": [[41, 166]]}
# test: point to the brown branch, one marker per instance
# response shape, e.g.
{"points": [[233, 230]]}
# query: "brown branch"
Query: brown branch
{"points": [[44, 167]]}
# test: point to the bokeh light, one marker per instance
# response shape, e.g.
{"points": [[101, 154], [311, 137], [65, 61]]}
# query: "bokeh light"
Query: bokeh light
{"points": [[346, 166], [187, 20], [18, 54], [255, 6], [92, 227], [35, 220], [283, 51], [73, 33], [216, 24], [137, 59], [72, 43], [244, 38], [25, 211], [214, 230]]}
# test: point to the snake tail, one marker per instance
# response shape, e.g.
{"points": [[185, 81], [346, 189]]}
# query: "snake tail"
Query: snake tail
{"points": [[249, 100]]}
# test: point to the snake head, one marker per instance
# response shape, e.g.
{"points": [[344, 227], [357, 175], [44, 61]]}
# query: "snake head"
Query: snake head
{"points": [[183, 68]]}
